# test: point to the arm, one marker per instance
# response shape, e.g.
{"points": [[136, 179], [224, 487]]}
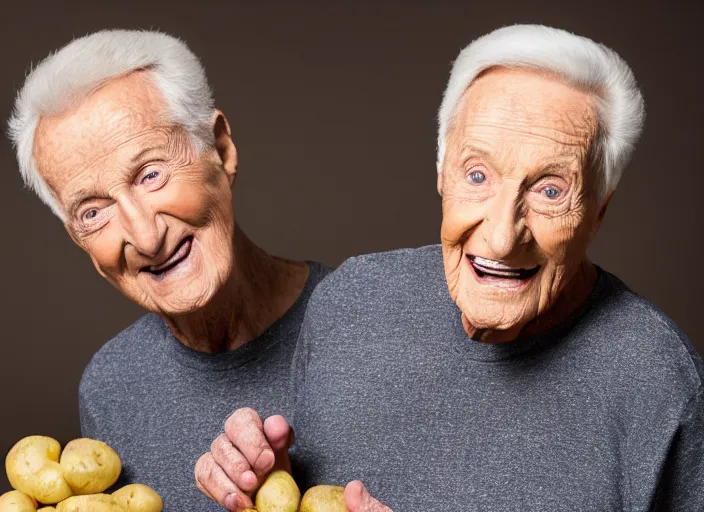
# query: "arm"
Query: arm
{"points": [[681, 485], [241, 458]]}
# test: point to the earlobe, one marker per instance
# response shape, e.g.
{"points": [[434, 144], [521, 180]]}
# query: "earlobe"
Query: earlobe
{"points": [[224, 145]]}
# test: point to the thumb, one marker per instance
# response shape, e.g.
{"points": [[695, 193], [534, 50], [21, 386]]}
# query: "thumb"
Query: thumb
{"points": [[281, 437], [357, 499]]}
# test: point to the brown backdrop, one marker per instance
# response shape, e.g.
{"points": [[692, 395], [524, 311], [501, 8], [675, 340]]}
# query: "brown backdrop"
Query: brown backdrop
{"points": [[333, 112]]}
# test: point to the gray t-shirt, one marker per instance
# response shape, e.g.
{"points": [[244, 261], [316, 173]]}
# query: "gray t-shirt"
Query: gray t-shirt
{"points": [[160, 404], [602, 412]]}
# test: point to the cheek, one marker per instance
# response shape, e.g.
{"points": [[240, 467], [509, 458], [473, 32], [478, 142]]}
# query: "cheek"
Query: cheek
{"points": [[195, 201], [105, 249], [459, 216], [561, 240]]}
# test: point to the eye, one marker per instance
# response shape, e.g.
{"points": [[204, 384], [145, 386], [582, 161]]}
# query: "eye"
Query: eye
{"points": [[151, 176], [477, 177], [551, 192], [90, 214]]}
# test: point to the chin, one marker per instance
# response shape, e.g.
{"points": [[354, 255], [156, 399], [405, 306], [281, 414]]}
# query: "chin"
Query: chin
{"points": [[494, 314]]}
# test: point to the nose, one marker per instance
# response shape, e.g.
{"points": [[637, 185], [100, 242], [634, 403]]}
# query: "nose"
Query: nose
{"points": [[504, 224], [144, 230]]}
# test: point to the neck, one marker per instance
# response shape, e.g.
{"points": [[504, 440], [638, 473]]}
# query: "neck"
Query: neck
{"points": [[575, 293], [259, 291]]}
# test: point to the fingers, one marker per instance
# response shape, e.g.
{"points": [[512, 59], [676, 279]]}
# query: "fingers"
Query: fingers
{"points": [[281, 437], [245, 431], [233, 463], [214, 483], [357, 499]]}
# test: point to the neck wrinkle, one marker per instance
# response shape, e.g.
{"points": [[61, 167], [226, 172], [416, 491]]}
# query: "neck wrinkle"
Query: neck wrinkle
{"points": [[259, 291]]}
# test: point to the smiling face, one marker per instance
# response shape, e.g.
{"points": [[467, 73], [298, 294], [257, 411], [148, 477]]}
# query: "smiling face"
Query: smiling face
{"points": [[153, 213], [518, 197]]}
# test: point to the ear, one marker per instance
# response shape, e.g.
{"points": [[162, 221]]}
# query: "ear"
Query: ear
{"points": [[224, 145], [438, 166]]}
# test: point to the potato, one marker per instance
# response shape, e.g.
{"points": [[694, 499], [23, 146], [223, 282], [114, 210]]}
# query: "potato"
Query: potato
{"points": [[32, 467], [89, 466], [279, 493], [90, 503], [46, 509], [139, 498], [16, 501], [324, 498]]}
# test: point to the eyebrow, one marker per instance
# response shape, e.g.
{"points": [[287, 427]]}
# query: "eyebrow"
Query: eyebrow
{"points": [[471, 149]]}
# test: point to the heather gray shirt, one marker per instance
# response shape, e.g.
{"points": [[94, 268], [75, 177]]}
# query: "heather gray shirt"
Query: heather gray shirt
{"points": [[602, 412], [160, 405]]}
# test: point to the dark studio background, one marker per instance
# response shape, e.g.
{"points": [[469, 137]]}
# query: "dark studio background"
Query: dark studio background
{"points": [[333, 108]]}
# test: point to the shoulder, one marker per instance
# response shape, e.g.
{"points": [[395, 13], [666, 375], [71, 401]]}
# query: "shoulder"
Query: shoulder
{"points": [[115, 360], [644, 344], [382, 275]]}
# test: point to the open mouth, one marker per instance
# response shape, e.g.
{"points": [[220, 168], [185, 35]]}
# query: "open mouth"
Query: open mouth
{"points": [[491, 270], [181, 252]]}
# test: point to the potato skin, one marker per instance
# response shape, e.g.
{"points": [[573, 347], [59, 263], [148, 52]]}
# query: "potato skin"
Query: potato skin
{"points": [[89, 466], [279, 493], [324, 498], [32, 468], [139, 498], [16, 501], [90, 503], [49, 486]]}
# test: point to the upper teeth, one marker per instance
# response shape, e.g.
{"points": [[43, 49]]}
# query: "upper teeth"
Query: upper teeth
{"points": [[483, 262]]}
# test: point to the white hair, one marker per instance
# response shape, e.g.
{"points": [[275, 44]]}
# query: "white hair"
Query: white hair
{"points": [[578, 60], [64, 78]]}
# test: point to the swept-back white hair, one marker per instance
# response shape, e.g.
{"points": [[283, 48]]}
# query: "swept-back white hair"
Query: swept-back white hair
{"points": [[581, 62], [72, 73]]}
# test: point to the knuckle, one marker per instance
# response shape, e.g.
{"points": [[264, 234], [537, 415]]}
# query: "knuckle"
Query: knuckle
{"points": [[239, 466], [200, 466], [242, 418], [219, 443]]}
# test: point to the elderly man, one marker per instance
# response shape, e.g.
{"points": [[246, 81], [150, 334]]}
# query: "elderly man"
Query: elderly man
{"points": [[118, 135], [500, 370]]}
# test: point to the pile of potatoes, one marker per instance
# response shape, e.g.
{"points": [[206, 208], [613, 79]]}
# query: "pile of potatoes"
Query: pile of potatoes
{"points": [[279, 493], [73, 480]]}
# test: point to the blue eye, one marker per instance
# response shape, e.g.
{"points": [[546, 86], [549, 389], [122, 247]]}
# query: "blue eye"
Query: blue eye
{"points": [[90, 214], [551, 192], [150, 176], [477, 177]]}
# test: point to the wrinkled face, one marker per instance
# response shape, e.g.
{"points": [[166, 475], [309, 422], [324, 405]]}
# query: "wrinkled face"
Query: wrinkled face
{"points": [[153, 213], [519, 197]]}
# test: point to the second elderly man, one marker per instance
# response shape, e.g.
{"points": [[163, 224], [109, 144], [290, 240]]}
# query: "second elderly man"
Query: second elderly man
{"points": [[500, 370]]}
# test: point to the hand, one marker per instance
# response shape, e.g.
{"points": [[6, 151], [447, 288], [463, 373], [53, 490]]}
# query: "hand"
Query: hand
{"points": [[240, 459], [357, 499]]}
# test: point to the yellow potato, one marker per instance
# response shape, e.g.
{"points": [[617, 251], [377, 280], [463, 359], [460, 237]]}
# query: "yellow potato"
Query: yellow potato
{"points": [[90, 466], [139, 498], [324, 498], [46, 509], [90, 503], [50, 487], [279, 493], [16, 501], [32, 467]]}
